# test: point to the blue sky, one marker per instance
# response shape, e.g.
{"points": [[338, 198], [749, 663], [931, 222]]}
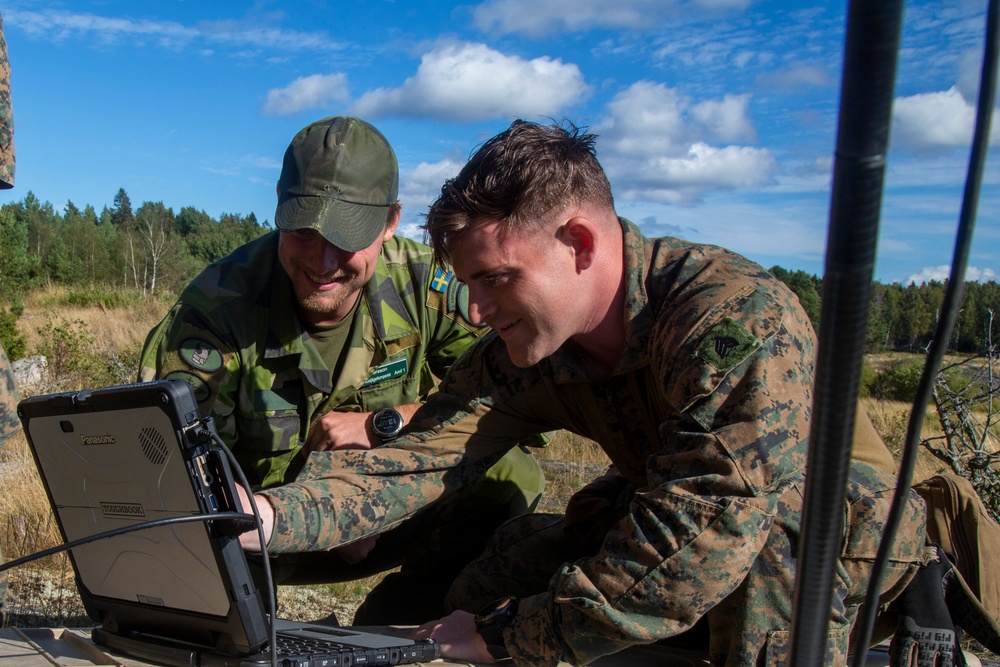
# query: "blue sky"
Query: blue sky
{"points": [[716, 118]]}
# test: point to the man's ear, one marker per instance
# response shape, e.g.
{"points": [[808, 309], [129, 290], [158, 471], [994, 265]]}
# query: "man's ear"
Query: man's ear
{"points": [[580, 234], [392, 222]]}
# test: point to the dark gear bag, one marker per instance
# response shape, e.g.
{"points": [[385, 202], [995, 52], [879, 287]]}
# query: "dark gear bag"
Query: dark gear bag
{"points": [[939, 603], [958, 521]]}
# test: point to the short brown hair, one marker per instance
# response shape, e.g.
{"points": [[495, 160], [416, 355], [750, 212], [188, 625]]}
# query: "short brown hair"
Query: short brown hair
{"points": [[517, 177]]}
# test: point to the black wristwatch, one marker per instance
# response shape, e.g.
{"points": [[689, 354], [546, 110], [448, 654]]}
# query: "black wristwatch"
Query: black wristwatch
{"points": [[490, 622], [387, 423]]}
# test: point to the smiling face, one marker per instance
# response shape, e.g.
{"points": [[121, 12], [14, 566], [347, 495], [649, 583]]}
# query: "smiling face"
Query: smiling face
{"points": [[521, 284], [327, 281]]}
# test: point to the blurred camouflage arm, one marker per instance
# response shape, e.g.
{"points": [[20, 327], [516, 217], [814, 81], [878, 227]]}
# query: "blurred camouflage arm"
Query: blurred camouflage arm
{"points": [[9, 423]]}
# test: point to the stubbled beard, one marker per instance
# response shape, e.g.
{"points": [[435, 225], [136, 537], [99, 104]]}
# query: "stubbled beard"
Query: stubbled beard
{"points": [[321, 304]]}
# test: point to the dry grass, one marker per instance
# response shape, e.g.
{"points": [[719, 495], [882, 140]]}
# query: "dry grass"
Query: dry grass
{"points": [[119, 330], [42, 592], [891, 420]]}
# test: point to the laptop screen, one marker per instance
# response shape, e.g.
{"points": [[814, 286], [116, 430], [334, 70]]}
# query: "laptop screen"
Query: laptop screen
{"points": [[120, 456]]}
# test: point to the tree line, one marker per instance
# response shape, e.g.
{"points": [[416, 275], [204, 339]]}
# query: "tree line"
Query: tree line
{"points": [[903, 318], [147, 250], [150, 250]]}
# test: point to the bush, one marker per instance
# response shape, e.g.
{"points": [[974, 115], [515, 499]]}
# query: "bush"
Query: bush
{"points": [[898, 382], [868, 375], [67, 350], [11, 339]]}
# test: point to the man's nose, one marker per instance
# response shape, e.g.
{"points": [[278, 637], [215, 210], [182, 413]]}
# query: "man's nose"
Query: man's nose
{"points": [[481, 307], [327, 257]]}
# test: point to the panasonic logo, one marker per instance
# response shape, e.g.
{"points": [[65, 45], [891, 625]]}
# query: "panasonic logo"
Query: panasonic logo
{"points": [[98, 439], [122, 509]]}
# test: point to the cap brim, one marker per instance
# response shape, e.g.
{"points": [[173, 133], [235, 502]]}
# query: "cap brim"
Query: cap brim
{"points": [[351, 227]]}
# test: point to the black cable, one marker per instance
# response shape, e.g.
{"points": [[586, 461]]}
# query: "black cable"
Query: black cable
{"points": [[870, 56], [950, 307], [115, 532], [272, 605]]}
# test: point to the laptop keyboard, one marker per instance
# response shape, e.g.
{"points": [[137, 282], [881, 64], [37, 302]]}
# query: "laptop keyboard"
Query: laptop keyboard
{"points": [[297, 651]]}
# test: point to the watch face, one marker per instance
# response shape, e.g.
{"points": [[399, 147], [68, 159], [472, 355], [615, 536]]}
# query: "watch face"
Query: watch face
{"points": [[387, 423]]}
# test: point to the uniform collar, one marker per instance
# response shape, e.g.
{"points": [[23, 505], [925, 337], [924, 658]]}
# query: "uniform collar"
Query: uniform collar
{"points": [[567, 362], [638, 318], [392, 327]]}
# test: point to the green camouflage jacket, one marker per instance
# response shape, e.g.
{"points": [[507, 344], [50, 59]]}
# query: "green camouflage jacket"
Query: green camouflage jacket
{"points": [[234, 336], [707, 413]]}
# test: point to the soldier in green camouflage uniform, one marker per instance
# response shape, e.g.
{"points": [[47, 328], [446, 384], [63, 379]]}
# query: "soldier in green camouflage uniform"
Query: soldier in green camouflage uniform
{"points": [[242, 336], [693, 369], [8, 393]]}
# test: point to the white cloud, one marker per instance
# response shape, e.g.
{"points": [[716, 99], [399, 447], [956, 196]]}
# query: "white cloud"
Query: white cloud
{"points": [[307, 92], [472, 82], [653, 146], [61, 25], [421, 185], [540, 18], [725, 119], [795, 77], [934, 121], [941, 273]]}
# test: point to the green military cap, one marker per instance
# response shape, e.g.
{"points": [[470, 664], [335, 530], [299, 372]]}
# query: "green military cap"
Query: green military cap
{"points": [[339, 177]]}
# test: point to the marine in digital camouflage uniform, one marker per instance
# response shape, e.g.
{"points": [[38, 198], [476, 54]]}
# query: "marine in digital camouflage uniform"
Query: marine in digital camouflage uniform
{"points": [[704, 413], [8, 393], [235, 335]]}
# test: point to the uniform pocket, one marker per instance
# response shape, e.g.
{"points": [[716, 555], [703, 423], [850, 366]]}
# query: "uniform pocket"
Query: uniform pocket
{"points": [[778, 641], [269, 432]]}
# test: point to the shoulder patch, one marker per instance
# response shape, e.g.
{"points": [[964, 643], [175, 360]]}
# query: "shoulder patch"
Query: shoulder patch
{"points": [[200, 354], [726, 345], [458, 301], [442, 278]]}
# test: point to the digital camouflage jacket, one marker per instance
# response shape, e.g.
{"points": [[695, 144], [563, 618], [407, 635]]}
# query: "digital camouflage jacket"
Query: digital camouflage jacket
{"points": [[6, 118], [234, 336], [707, 413]]}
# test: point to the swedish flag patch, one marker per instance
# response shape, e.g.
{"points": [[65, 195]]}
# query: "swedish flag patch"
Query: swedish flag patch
{"points": [[442, 277]]}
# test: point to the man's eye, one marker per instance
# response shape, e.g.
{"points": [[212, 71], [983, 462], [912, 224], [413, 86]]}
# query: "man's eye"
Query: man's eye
{"points": [[492, 281]]}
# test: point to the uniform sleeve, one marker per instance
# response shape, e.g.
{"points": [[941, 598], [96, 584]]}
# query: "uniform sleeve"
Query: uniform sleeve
{"points": [[738, 386], [451, 441], [184, 346]]}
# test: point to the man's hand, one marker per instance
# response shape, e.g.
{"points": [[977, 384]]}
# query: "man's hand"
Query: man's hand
{"points": [[340, 430], [355, 552], [457, 636], [347, 430], [250, 540]]}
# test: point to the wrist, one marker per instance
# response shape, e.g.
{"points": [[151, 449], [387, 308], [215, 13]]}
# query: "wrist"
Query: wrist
{"points": [[491, 622], [386, 423]]}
